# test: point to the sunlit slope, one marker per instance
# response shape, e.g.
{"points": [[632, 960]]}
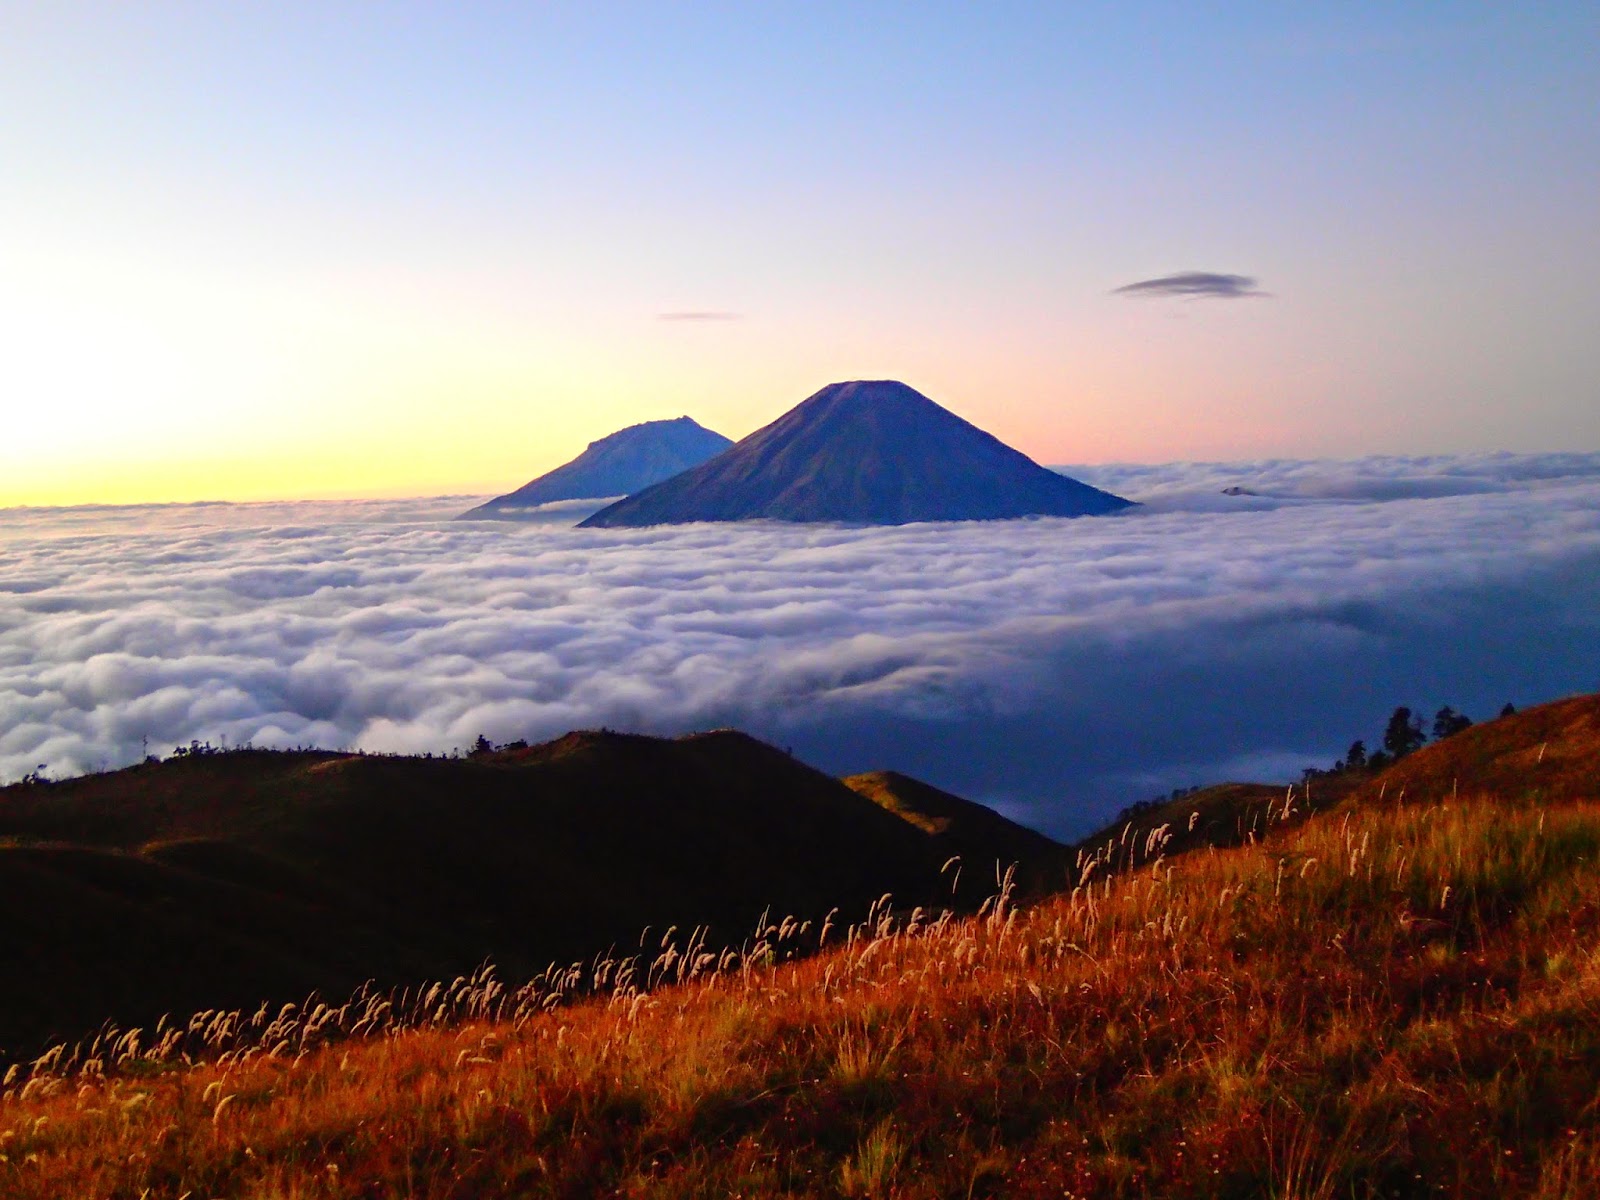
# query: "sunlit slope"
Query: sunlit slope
{"points": [[1383, 998], [1546, 754], [984, 843]]}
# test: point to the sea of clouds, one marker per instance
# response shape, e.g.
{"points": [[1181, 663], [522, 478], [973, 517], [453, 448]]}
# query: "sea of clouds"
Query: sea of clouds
{"points": [[1056, 668]]}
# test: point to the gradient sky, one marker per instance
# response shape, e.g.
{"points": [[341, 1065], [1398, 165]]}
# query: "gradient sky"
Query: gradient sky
{"points": [[282, 250]]}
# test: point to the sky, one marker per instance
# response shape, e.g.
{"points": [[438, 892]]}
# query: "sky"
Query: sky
{"points": [[285, 251], [1055, 668]]}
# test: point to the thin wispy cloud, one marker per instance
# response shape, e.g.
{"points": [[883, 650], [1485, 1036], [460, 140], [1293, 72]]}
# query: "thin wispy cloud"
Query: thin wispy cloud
{"points": [[1194, 284], [1057, 667], [710, 314]]}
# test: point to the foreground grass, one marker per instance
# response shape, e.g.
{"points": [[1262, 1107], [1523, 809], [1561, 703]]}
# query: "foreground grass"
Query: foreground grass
{"points": [[1381, 1001]]}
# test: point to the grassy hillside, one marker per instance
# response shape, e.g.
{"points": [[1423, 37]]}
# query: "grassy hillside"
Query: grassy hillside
{"points": [[225, 878], [1545, 755], [1390, 997]]}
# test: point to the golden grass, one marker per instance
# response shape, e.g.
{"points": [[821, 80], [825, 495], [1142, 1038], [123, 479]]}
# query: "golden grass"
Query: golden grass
{"points": [[1378, 1001]]}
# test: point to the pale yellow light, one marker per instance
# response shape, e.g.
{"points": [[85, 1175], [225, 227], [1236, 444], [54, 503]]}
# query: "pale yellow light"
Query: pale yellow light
{"points": [[127, 382]]}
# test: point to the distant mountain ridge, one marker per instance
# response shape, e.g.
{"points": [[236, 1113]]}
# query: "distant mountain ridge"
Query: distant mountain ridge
{"points": [[868, 451], [616, 465]]}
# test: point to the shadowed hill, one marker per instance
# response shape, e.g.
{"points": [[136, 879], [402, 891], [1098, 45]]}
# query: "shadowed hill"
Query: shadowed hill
{"points": [[1224, 814], [873, 452], [225, 878], [617, 465]]}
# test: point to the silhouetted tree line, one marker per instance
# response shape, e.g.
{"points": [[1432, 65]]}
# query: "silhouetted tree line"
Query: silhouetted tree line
{"points": [[483, 747], [199, 749], [1403, 735]]}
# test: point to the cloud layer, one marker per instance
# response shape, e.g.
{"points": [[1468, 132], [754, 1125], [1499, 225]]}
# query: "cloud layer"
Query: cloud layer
{"points": [[1059, 668], [1278, 483], [1193, 283]]}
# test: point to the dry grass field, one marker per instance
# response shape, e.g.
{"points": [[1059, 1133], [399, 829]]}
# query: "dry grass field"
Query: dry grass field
{"points": [[1397, 995]]}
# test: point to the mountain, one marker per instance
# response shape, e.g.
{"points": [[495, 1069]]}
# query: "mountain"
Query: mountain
{"points": [[873, 452], [232, 877], [617, 465]]}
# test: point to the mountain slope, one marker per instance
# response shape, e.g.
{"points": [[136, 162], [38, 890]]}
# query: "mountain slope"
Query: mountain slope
{"points": [[226, 878], [617, 465], [875, 452], [1389, 999]]}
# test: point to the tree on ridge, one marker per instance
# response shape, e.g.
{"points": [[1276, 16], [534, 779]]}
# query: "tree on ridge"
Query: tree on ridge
{"points": [[1403, 734]]}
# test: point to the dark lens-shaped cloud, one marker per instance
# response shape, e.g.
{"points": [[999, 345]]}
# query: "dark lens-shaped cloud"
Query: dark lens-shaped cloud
{"points": [[698, 315], [1194, 283]]}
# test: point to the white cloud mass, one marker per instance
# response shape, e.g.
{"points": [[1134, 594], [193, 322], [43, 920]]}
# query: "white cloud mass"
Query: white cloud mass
{"points": [[1058, 668]]}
